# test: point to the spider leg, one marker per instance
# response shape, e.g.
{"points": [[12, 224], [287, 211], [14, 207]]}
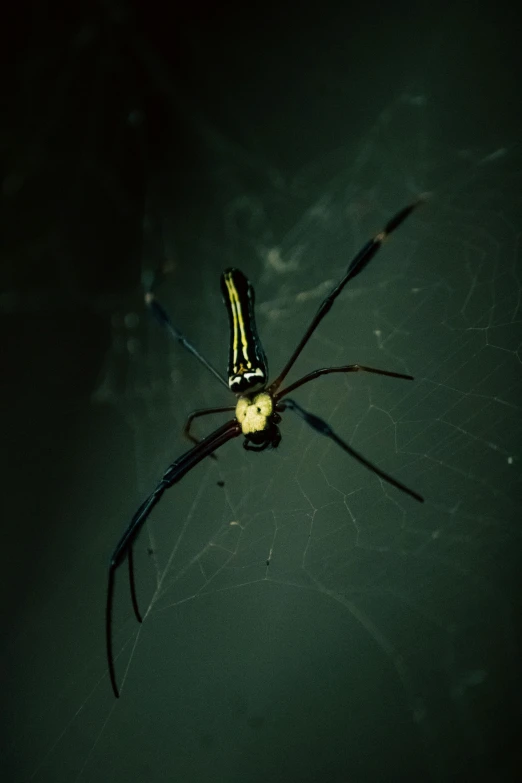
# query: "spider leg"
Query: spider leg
{"points": [[195, 415], [324, 429], [132, 585], [356, 266], [160, 314], [345, 368], [172, 475]]}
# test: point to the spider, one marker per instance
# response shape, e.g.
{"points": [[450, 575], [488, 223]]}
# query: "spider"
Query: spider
{"points": [[259, 403]]}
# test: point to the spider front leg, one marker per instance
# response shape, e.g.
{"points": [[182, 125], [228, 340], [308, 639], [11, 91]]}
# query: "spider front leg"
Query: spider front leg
{"points": [[173, 474], [361, 260], [162, 317], [345, 368]]}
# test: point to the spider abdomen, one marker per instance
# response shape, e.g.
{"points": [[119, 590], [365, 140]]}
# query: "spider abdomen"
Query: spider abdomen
{"points": [[247, 365]]}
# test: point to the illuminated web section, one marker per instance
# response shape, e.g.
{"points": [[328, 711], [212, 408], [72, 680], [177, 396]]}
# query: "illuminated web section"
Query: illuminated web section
{"points": [[292, 597]]}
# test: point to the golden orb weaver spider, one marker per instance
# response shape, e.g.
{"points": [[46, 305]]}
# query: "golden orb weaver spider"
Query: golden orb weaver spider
{"points": [[258, 408]]}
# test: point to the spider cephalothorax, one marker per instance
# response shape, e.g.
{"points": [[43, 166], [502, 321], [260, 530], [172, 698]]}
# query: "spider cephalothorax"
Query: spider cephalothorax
{"points": [[258, 408], [258, 419]]}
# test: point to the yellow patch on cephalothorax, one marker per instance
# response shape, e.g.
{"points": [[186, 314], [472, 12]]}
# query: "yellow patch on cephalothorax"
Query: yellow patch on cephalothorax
{"points": [[253, 413]]}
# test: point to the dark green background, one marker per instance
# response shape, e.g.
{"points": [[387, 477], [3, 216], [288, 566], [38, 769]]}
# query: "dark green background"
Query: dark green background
{"points": [[382, 643]]}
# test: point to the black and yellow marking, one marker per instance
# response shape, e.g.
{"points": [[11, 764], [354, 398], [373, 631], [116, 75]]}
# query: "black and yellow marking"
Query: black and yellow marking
{"points": [[247, 365]]}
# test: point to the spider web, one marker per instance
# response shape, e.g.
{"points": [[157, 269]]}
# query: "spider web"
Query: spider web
{"points": [[299, 613], [304, 592]]}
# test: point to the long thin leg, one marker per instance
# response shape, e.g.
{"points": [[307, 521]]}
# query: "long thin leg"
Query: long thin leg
{"points": [[172, 475], [201, 412], [345, 368], [132, 585], [362, 258], [161, 316], [324, 429]]}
